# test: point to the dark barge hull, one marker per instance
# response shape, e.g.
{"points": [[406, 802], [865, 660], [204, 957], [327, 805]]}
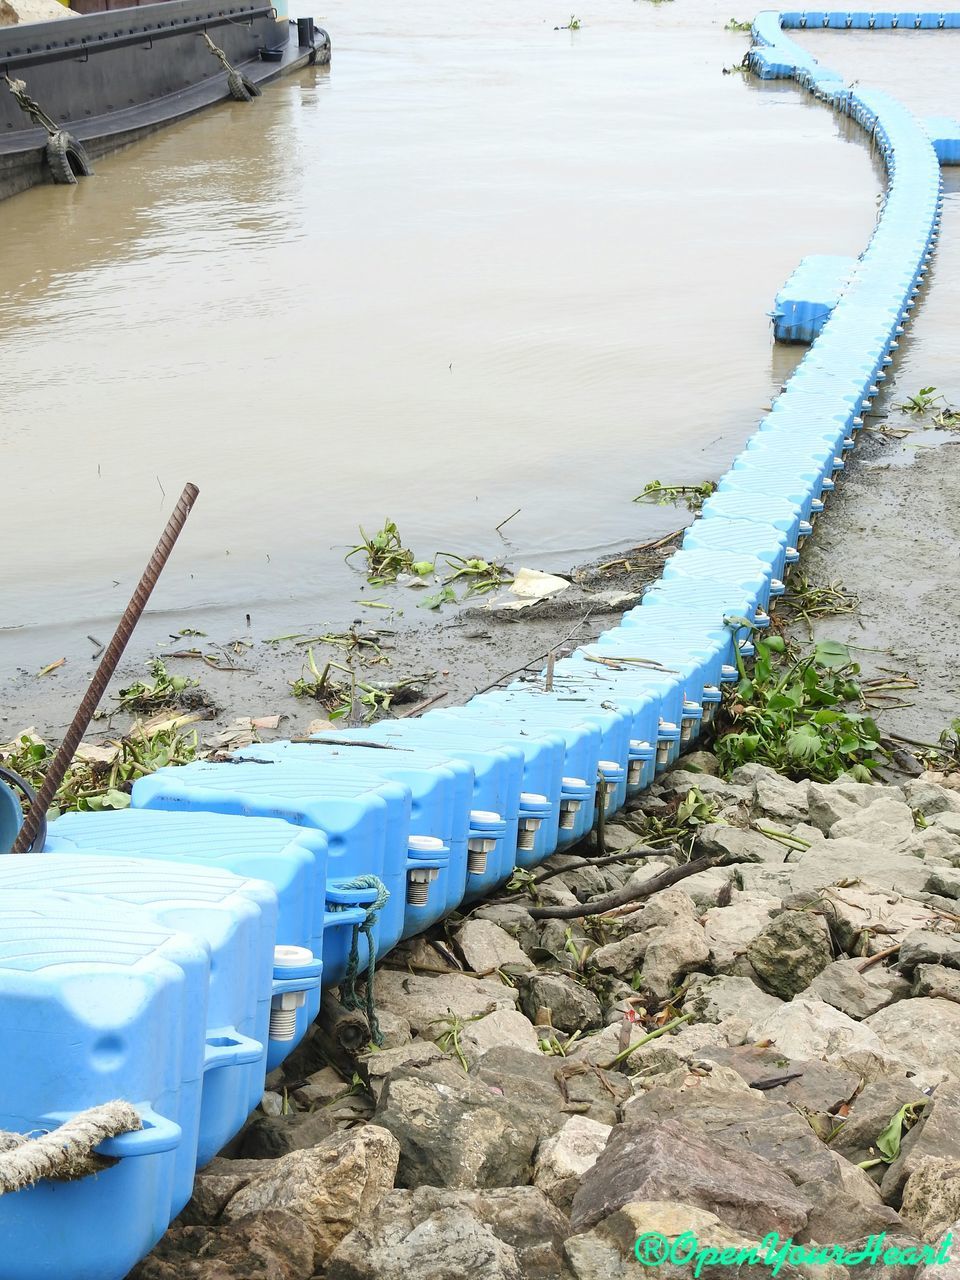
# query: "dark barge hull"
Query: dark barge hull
{"points": [[111, 78]]}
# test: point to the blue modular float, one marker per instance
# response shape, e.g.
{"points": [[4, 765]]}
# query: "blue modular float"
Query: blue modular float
{"points": [[414, 817], [236, 919], [98, 1002]]}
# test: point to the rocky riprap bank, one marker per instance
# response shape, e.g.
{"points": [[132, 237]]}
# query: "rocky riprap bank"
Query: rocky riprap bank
{"points": [[463, 1148]]}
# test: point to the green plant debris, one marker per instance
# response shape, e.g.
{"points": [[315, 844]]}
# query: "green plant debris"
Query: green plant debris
{"points": [[736, 25], [101, 778], [480, 575], [810, 601], [446, 595], [166, 690], [679, 828], [888, 1142], [385, 553], [736, 69], [342, 699], [694, 495], [789, 713], [573, 25]]}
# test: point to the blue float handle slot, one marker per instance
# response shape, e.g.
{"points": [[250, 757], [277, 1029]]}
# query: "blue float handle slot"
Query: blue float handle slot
{"points": [[157, 1135], [226, 1047]]}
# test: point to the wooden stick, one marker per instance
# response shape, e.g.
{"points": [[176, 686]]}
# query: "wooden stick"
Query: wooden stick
{"points": [[622, 896]]}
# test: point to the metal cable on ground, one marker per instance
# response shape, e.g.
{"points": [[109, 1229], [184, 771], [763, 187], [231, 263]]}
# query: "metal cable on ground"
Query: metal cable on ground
{"points": [[108, 664], [348, 988], [66, 1153]]}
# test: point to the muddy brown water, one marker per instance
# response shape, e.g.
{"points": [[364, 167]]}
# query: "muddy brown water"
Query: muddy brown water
{"points": [[478, 264]]}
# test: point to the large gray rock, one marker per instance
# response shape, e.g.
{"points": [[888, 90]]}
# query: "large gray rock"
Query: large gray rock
{"points": [[459, 1135], [924, 946], [735, 844], [849, 859], [728, 931], [623, 957], [931, 1196], [502, 1027], [811, 1029], [855, 993], [511, 1233], [866, 920], [273, 1245], [938, 981], [424, 1001], [661, 911], [553, 1087], [675, 1163], [606, 1252], [330, 1188], [673, 952], [944, 1264], [839, 1217], [829, 802], [723, 997], [928, 798], [741, 1118], [564, 1158], [768, 881], [779, 798], [513, 918], [790, 951], [377, 1066], [883, 822], [925, 1033], [268, 1137], [572, 1006], [815, 1089], [486, 947]]}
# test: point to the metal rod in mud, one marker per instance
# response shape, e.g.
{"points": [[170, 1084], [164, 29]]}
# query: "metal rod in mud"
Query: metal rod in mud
{"points": [[108, 664]]}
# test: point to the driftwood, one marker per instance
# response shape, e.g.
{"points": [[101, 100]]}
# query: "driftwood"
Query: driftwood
{"points": [[620, 897]]}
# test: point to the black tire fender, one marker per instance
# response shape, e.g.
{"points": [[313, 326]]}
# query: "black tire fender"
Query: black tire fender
{"points": [[67, 159], [242, 89]]}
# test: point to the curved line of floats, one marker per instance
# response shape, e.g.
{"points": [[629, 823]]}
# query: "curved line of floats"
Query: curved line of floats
{"points": [[148, 967]]}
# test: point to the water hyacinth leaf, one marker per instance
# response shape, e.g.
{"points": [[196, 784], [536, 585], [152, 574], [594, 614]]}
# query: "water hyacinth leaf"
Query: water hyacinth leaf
{"points": [[888, 1142]]}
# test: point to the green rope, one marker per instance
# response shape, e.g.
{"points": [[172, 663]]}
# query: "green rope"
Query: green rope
{"points": [[348, 988]]}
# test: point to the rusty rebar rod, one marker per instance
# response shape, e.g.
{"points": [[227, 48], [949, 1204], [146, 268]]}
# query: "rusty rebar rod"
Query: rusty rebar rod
{"points": [[108, 664]]}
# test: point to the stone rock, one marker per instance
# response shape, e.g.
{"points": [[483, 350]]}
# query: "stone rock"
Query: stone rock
{"points": [[928, 798], [931, 1196], [554, 893], [926, 1034], [866, 920], [701, 762], [551, 1087], [812, 1087], [728, 931], [811, 1029], [739, 1117], [675, 1163], [830, 802], [377, 1066], [563, 1159], [857, 994], [768, 881], [944, 1264], [673, 951], [13, 12], [790, 951], [423, 1001], [924, 946], [502, 1027], [870, 1113], [513, 918], [271, 1104], [572, 1006], [861, 860], [886, 1250], [780, 798], [662, 910], [269, 1137], [330, 1188], [486, 947], [884, 822], [837, 1217], [623, 957], [936, 1134], [511, 1233], [461, 1134], [949, 822], [945, 882], [938, 981], [679, 781], [272, 1245], [607, 1251], [737, 845], [213, 1187], [325, 1085], [720, 998]]}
